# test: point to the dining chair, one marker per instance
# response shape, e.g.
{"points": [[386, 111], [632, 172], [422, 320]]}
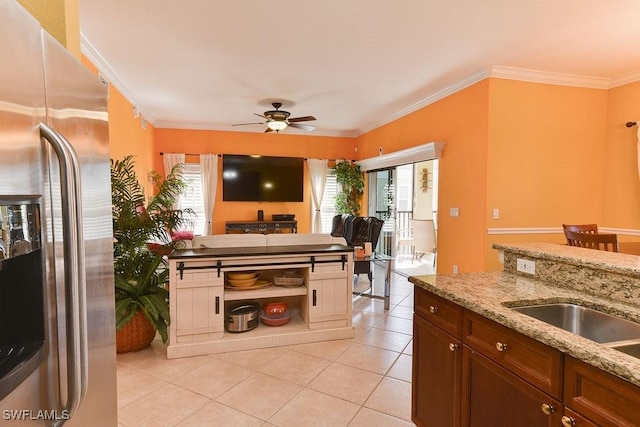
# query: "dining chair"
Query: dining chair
{"points": [[423, 239], [607, 242], [580, 228]]}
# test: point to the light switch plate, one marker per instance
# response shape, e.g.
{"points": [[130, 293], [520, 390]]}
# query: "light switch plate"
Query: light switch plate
{"points": [[454, 212]]}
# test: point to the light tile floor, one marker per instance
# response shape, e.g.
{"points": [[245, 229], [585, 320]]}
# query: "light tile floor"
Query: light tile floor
{"points": [[364, 381]]}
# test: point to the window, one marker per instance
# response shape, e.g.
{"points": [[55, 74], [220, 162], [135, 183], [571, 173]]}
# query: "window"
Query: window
{"points": [[192, 196], [328, 204]]}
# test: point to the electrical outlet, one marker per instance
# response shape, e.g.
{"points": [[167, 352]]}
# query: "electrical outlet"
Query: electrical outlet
{"points": [[526, 266], [455, 269]]}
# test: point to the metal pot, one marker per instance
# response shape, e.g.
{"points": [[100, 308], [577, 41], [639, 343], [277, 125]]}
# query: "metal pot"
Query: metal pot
{"points": [[243, 317]]}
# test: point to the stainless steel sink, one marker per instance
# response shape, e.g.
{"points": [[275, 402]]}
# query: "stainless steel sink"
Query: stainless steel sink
{"points": [[586, 322], [631, 349]]}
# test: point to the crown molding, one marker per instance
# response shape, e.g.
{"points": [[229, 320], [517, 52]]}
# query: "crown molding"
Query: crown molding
{"points": [[110, 74], [546, 77], [433, 97], [625, 79]]}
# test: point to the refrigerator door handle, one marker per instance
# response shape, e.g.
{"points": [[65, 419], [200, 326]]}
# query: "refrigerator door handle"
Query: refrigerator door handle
{"points": [[74, 271]]}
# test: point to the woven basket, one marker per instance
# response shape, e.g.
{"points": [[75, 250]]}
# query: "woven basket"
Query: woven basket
{"points": [[135, 335]]}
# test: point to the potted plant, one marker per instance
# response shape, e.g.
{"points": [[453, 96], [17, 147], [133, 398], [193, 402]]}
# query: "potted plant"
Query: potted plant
{"points": [[351, 179], [141, 238]]}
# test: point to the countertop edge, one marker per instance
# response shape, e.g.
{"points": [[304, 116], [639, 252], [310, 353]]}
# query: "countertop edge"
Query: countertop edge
{"points": [[489, 305]]}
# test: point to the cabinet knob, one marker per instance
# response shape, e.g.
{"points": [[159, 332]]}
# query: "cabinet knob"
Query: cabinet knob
{"points": [[548, 409], [501, 346], [433, 309], [568, 421], [453, 347]]}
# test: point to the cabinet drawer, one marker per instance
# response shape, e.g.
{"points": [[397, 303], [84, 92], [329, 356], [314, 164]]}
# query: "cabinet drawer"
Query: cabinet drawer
{"points": [[603, 398], [444, 314], [531, 360]]}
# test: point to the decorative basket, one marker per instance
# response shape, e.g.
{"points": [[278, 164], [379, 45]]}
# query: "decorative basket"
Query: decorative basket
{"points": [[135, 335], [288, 279]]}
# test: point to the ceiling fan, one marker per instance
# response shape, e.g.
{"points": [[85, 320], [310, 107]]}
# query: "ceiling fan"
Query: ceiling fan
{"points": [[277, 119]]}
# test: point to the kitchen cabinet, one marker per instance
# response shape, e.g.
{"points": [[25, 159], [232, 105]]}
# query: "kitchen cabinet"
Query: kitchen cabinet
{"points": [[508, 376], [437, 357], [494, 396], [198, 297], [329, 298], [599, 397]]}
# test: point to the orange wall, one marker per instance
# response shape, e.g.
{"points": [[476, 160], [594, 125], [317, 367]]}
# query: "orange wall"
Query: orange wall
{"points": [[461, 121], [546, 158], [127, 137], [621, 200], [219, 142]]}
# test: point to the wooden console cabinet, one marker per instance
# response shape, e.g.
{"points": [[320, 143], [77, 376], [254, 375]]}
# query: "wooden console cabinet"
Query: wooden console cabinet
{"points": [[261, 227], [198, 297]]}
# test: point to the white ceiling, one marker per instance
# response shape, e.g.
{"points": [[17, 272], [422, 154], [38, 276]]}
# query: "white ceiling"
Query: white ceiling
{"points": [[353, 64]]}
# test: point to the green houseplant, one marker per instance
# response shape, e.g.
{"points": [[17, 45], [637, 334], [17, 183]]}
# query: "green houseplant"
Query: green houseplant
{"points": [[351, 179], [141, 238]]}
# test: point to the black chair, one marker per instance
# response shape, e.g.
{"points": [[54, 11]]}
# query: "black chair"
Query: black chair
{"points": [[340, 226], [357, 230], [366, 229]]}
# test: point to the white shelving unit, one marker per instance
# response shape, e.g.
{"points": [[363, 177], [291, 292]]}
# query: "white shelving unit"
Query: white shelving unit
{"points": [[198, 300]]}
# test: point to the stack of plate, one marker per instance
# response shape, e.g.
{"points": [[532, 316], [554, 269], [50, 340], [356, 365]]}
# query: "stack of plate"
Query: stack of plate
{"points": [[242, 279]]}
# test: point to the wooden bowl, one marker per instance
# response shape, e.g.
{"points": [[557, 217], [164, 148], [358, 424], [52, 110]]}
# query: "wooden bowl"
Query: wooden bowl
{"points": [[241, 275], [242, 283]]}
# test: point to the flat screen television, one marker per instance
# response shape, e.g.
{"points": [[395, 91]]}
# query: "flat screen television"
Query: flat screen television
{"points": [[262, 178]]}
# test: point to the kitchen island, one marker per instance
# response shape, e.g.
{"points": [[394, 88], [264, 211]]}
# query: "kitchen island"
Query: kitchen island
{"points": [[200, 295], [465, 309]]}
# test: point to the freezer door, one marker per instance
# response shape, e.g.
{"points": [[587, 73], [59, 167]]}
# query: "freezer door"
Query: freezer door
{"points": [[77, 109]]}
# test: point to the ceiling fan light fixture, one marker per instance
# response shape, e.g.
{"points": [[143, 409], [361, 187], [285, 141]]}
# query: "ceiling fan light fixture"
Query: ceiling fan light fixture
{"points": [[276, 125]]}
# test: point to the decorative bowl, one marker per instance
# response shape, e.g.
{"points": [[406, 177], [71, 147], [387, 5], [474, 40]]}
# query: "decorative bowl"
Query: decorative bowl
{"points": [[242, 283], [276, 319], [241, 275], [274, 308]]}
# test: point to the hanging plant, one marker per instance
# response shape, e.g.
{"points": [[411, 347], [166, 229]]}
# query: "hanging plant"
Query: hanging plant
{"points": [[350, 178]]}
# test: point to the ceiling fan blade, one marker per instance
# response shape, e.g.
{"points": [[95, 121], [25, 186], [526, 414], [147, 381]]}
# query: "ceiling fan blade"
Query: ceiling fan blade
{"points": [[301, 126], [268, 130], [243, 124], [260, 115], [301, 119]]}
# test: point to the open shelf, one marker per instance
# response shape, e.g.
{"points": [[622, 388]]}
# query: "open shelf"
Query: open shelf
{"points": [[272, 291]]}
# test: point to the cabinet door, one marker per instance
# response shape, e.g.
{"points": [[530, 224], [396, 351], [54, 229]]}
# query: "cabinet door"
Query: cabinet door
{"points": [[328, 301], [599, 396], [437, 364], [493, 396], [199, 302], [573, 419]]}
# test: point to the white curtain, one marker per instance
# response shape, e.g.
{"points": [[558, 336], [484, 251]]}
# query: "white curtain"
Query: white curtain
{"points": [[209, 174], [317, 176], [170, 160]]}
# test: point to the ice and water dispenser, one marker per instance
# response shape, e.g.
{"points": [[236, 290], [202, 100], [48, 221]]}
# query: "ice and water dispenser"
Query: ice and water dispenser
{"points": [[22, 331]]}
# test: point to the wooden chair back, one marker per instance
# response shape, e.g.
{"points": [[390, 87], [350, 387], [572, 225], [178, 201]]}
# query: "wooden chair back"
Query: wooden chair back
{"points": [[579, 228], [607, 242]]}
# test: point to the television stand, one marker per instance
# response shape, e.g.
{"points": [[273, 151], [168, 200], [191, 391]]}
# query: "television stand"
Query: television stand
{"points": [[261, 227]]}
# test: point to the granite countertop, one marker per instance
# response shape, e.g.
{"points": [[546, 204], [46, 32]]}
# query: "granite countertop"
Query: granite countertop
{"points": [[490, 294]]}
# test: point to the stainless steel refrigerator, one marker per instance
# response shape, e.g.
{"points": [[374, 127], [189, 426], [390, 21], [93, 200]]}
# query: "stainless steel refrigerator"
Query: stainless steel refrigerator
{"points": [[57, 320]]}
